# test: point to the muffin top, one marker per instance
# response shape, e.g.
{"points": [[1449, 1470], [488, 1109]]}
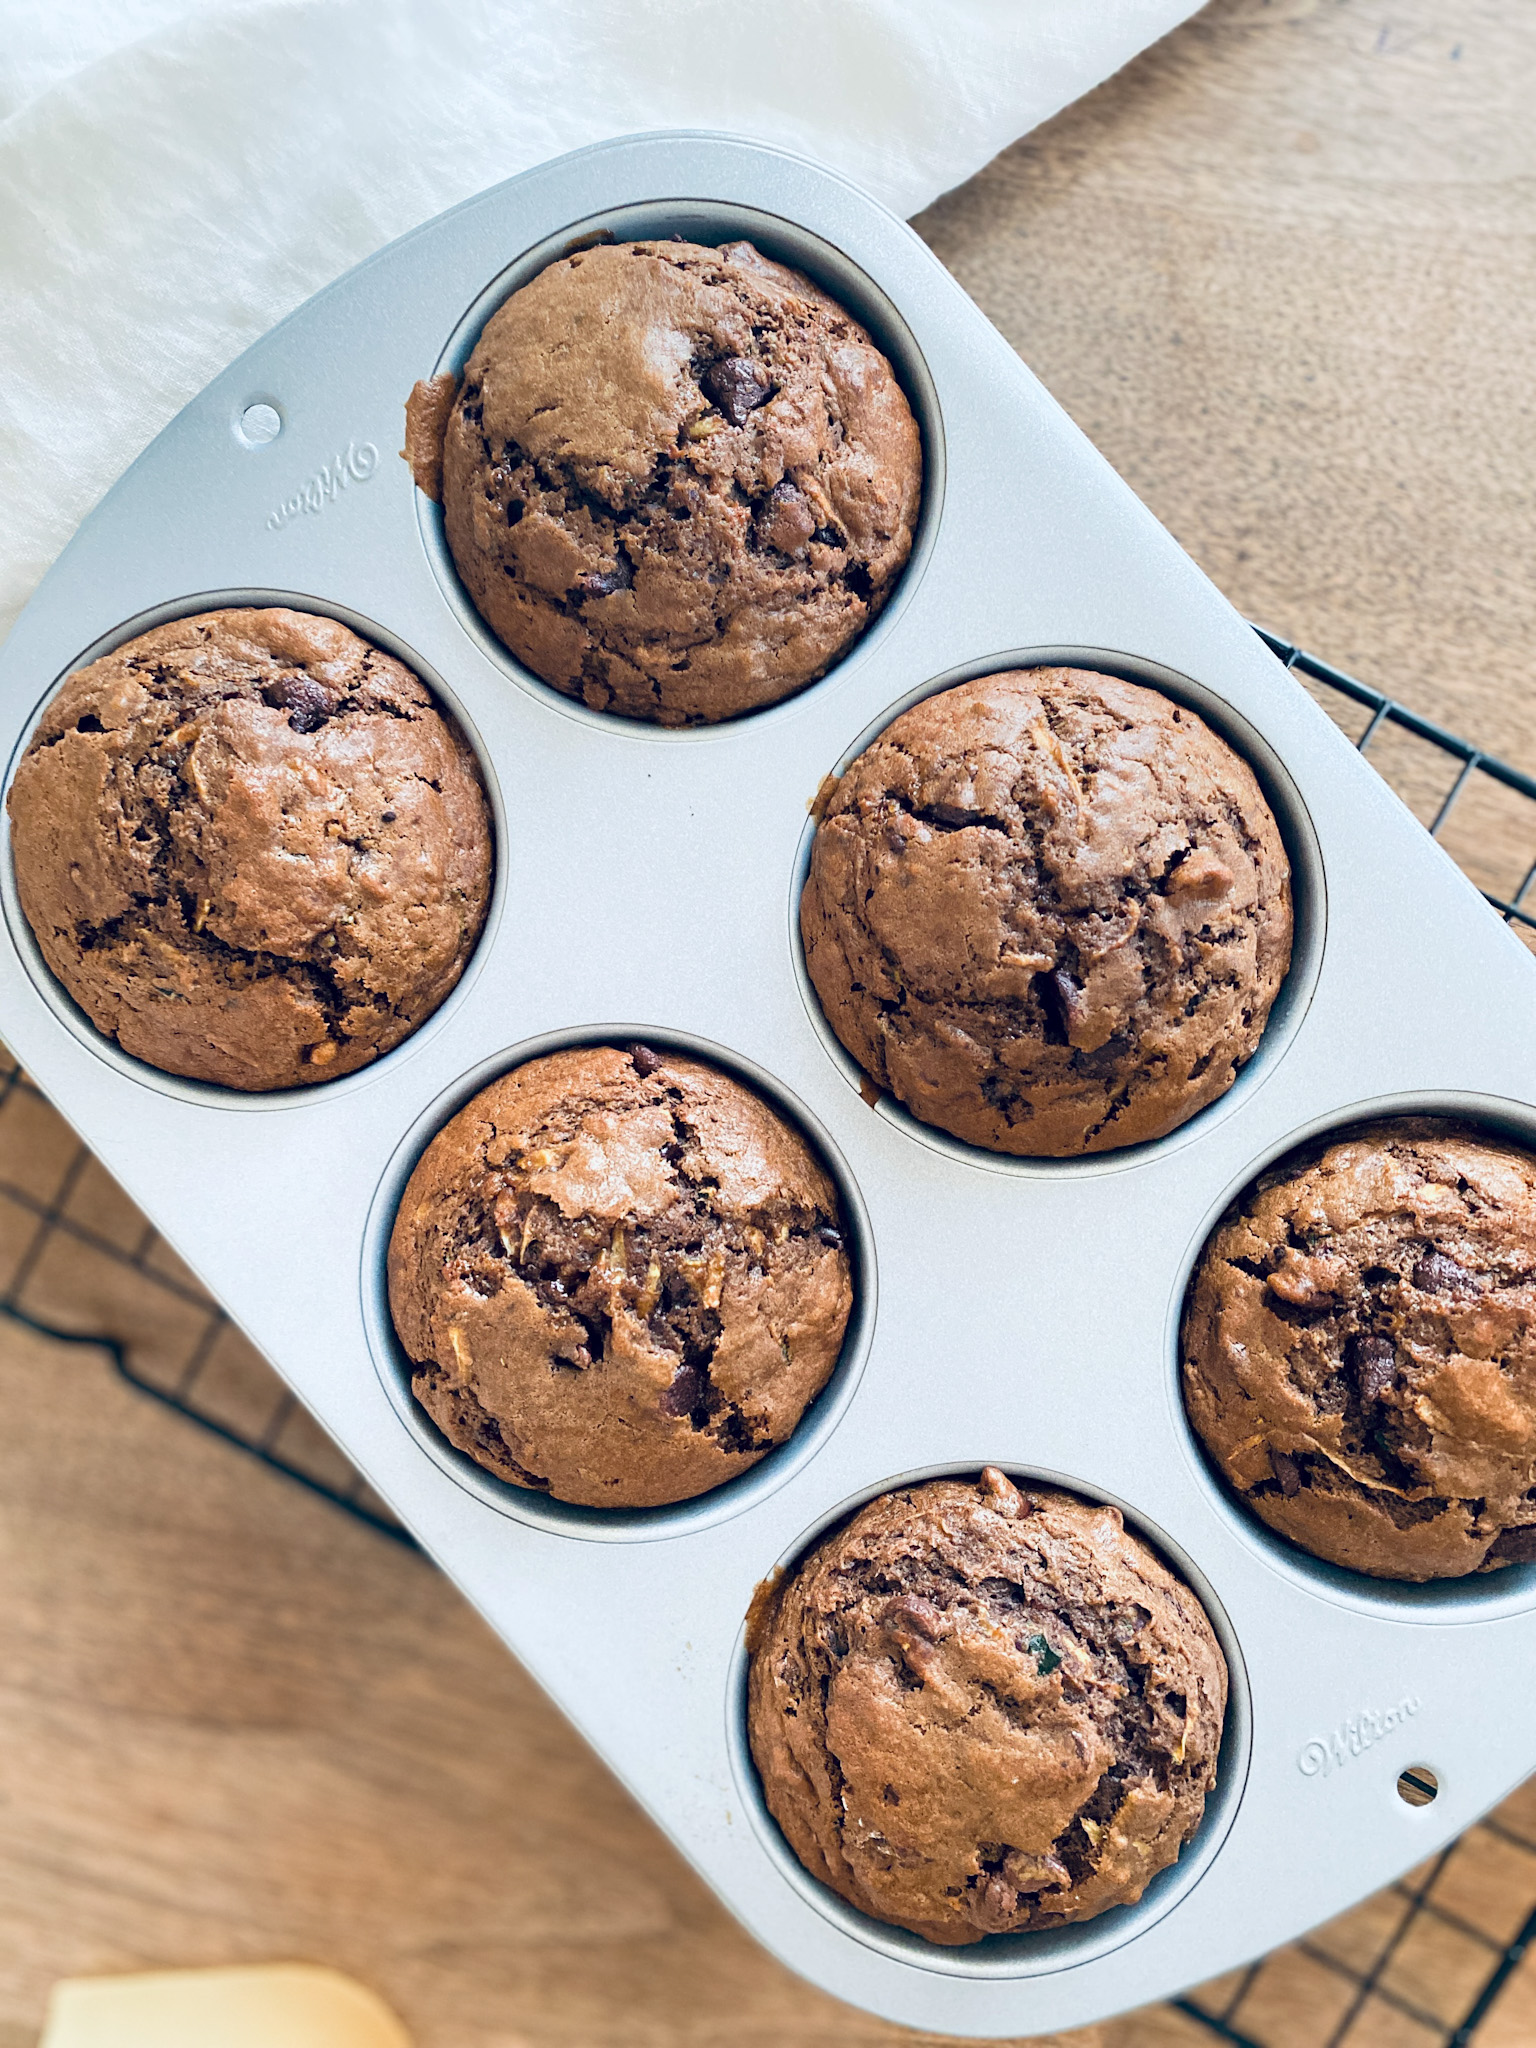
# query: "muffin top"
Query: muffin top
{"points": [[621, 1277], [977, 1709], [1360, 1350], [251, 847], [1049, 911], [676, 481]]}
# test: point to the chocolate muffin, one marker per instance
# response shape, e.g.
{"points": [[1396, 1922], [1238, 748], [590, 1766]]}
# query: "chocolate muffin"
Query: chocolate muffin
{"points": [[620, 1276], [252, 847], [1360, 1350], [1049, 912], [677, 481], [977, 1709]]}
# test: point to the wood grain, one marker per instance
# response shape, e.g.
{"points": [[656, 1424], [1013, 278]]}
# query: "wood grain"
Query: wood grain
{"points": [[1282, 270], [237, 1726]]}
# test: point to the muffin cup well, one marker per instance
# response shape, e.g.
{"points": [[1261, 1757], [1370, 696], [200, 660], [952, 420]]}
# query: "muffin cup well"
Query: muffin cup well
{"points": [[1480, 1596], [708, 222], [1308, 908], [69, 1012], [1030, 1954], [565, 1518]]}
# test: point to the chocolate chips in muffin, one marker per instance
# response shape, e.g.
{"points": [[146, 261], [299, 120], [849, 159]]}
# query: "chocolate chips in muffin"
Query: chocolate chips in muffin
{"points": [[983, 1709], [1359, 1350], [1049, 911], [677, 481], [252, 847], [620, 1276]]}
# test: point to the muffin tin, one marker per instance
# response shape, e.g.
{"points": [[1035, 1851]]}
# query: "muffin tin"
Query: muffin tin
{"points": [[1015, 1312]]}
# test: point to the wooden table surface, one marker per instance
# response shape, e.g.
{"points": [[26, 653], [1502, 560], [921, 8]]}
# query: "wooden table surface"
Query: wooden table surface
{"points": [[1283, 271]]}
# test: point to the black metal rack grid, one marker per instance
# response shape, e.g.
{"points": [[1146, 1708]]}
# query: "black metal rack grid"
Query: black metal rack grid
{"points": [[1359, 1991], [266, 1421], [1475, 773], [1389, 1988]]}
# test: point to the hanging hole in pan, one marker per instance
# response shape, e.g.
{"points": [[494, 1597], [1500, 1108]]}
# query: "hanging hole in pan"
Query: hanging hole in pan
{"points": [[1418, 1785], [259, 423]]}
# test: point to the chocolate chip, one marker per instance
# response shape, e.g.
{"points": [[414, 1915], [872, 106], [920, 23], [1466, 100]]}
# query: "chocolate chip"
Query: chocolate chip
{"points": [[1437, 1273], [604, 582], [786, 521], [1373, 1361], [1060, 1000], [643, 1060], [387, 817], [310, 702], [687, 1390], [1513, 1546], [1287, 1475], [910, 1613], [1067, 989], [738, 386], [830, 1234]]}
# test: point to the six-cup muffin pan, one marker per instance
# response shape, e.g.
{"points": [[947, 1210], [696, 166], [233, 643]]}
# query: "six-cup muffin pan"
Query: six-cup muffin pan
{"points": [[1013, 1312]]}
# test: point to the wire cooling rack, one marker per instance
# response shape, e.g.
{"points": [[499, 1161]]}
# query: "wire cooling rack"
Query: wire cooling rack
{"points": [[1481, 809], [80, 1264], [1421, 1965]]}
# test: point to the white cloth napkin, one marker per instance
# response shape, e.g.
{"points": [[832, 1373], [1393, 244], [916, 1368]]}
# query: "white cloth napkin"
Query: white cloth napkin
{"points": [[176, 175]]}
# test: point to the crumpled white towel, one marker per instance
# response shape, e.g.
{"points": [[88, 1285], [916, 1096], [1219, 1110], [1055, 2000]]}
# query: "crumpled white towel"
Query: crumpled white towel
{"points": [[176, 175]]}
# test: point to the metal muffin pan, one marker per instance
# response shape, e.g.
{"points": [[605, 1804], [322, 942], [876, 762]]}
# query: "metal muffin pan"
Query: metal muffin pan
{"points": [[1019, 1313]]}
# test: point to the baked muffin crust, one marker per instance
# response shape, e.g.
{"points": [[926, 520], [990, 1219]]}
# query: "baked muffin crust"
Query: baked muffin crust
{"points": [[982, 1709], [1360, 1350], [621, 1277], [1049, 911], [252, 847], [677, 481]]}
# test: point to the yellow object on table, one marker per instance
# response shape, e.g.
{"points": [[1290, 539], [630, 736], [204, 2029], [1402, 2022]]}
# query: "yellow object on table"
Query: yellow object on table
{"points": [[270, 2005]]}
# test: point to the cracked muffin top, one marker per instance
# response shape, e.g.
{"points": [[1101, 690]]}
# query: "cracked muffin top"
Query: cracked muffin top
{"points": [[979, 1709], [1360, 1350], [1049, 911], [251, 847], [677, 481], [620, 1277]]}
